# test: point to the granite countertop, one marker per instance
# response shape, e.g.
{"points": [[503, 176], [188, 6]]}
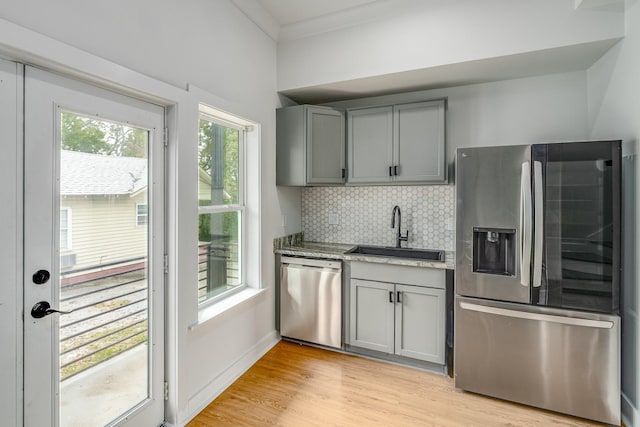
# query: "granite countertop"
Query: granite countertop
{"points": [[337, 251]]}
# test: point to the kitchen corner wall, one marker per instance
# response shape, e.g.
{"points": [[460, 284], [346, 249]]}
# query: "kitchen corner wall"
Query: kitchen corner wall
{"points": [[363, 215]]}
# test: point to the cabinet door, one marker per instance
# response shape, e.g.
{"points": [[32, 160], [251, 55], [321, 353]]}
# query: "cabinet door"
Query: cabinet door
{"points": [[420, 323], [325, 146], [371, 315], [370, 140], [419, 137]]}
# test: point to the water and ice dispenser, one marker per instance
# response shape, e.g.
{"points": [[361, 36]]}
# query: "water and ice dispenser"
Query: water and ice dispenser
{"points": [[494, 251]]}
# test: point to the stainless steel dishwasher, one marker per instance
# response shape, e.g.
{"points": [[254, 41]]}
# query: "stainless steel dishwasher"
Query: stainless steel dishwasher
{"points": [[311, 300]]}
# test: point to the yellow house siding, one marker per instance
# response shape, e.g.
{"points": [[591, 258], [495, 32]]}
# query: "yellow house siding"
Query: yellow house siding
{"points": [[104, 229]]}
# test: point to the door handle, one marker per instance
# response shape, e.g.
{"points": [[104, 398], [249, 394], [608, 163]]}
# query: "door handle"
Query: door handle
{"points": [[43, 308], [552, 318], [538, 225], [526, 214]]}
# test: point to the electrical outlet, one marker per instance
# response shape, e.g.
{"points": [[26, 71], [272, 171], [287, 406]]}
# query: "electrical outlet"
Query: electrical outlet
{"points": [[450, 225], [332, 218]]}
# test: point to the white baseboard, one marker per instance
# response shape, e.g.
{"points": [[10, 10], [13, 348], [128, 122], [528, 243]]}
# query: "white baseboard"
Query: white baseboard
{"points": [[630, 414], [220, 383]]}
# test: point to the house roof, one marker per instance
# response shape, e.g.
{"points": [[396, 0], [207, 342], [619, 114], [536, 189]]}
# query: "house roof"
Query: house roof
{"points": [[97, 174]]}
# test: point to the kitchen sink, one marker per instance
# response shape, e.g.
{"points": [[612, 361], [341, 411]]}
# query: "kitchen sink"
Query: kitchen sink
{"points": [[386, 251]]}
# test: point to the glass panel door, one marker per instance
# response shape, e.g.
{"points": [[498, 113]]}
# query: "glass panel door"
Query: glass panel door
{"points": [[581, 225], [94, 249]]}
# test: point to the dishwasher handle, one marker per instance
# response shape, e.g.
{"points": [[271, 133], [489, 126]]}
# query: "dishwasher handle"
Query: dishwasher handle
{"points": [[311, 262]]}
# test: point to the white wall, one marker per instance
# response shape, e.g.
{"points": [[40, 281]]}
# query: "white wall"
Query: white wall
{"points": [[614, 112], [211, 45], [436, 33]]}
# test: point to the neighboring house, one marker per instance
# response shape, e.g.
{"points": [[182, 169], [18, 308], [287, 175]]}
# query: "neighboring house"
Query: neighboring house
{"points": [[103, 210]]}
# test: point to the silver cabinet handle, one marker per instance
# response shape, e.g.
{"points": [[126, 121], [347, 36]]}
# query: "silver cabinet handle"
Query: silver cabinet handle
{"points": [[575, 321], [525, 224], [538, 225]]}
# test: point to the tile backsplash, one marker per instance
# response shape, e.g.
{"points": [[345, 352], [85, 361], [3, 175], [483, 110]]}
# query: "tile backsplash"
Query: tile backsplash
{"points": [[363, 215]]}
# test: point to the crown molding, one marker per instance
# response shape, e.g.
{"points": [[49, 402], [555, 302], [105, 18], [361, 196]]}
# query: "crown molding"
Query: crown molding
{"points": [[259, 16], [353, 16]]}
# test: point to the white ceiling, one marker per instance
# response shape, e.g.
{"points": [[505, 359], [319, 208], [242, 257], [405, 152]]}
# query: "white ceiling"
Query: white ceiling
{"points": [[287, 12]]}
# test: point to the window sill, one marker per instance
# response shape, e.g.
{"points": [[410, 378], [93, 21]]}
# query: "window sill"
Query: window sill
{"points": [[214, 310]]}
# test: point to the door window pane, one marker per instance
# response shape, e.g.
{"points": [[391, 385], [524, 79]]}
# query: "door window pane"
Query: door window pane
{"points": [[104, 356]]}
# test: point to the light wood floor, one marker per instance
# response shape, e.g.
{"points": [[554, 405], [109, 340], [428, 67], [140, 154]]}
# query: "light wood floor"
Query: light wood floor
{"points": [[294, 385]]}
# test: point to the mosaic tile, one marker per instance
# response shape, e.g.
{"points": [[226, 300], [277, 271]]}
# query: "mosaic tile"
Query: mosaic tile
{"points": [[364, 215]]}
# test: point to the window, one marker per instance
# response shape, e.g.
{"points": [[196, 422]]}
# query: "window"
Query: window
{"points": [[142, 213], [221, 206], [65, 229]]}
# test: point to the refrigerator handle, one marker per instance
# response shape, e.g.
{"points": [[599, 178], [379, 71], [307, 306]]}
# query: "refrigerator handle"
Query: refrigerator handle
{"points": [[526, 214], [538, 224], [541, 317]]}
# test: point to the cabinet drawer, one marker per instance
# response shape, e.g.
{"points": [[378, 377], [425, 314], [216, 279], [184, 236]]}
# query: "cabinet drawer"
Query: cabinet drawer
{"points": [[418, 276]]}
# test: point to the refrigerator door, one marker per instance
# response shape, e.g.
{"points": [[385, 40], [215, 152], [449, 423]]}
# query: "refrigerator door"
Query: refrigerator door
{"points": [[494, 222], [560, 360], [577, 246]]}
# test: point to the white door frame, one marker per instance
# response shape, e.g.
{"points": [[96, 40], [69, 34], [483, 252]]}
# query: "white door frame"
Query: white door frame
{"points": [[45, 95], [23, 45]]}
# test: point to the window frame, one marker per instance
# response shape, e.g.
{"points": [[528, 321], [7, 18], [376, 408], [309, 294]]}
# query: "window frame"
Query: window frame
{"points": [[238, 207], [69, 241], [138, 216]]}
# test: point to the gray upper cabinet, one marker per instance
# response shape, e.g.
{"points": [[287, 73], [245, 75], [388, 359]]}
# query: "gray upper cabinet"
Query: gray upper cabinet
{"points": [[419, 142], [370, 131], [403, 143], [310, 146]]}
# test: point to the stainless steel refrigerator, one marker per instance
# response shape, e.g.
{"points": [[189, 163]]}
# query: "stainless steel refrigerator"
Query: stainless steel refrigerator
{"points": [[538, 276]]}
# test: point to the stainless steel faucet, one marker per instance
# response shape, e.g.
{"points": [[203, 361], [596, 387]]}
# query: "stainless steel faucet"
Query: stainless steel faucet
{"points": [[399, 236]]}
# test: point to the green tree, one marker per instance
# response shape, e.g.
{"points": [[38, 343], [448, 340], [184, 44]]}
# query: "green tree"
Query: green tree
{"points": [[127, 141], [82, 134], [89, 135]]}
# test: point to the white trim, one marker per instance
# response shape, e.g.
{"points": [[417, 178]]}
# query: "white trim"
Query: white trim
{"points": [[30, 47], [214, 309], [215, 387], [225, 118], [630, 414]]}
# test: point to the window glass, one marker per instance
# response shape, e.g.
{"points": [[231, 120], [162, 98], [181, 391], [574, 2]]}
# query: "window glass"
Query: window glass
{"points": [[220, 209], [219, 161], [65, 241], [142, 213]]}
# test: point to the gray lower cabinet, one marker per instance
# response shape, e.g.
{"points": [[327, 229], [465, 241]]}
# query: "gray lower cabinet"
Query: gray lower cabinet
{"points": [[420, 323], [372, 315], [310, 146], [403, 143], [402, 319]]}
